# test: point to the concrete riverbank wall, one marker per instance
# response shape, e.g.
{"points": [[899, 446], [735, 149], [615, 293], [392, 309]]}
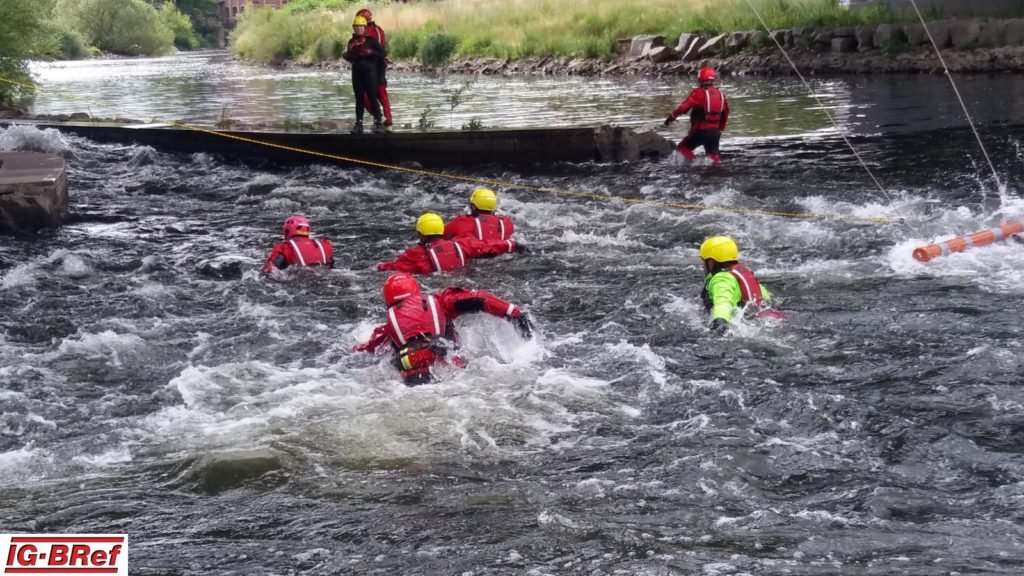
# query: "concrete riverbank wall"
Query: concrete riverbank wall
{"points": [[467, 148]]}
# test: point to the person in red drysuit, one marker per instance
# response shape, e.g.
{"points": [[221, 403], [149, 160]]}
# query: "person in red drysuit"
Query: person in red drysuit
{"points": [[709, 112], [298, 249], [377, 33], [483, 224], [434, 253], [420, 328], [365, 54]]}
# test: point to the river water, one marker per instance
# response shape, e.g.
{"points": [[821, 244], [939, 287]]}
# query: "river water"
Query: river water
{"points": [[151, 383]]}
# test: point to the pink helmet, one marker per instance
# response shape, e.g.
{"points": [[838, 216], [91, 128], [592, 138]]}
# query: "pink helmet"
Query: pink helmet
{"points": [[398, 287], [707, 74], [295, 226]]}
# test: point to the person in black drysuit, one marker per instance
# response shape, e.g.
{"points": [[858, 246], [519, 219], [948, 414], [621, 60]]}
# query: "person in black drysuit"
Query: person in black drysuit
{"points": [[366, 56]]}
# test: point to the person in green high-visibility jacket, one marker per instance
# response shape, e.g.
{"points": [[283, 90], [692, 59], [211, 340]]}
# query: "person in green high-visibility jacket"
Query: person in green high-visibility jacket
{"points": [[729, 285]]}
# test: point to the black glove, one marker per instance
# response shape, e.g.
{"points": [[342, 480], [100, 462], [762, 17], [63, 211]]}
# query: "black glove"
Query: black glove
{"points": [[719, 326], [520, 249], [522, 325], [669, 120], [439, 347]]}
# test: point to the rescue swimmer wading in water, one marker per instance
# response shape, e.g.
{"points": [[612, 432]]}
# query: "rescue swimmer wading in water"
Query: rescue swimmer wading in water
{"points": [[434, 253], [483, 224], [420, 328], [709, 112], [298, 249], [730, 286]]}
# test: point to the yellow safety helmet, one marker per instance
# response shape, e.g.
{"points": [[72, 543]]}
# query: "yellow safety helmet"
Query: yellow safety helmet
{"points": [[359, 21], [719, 249], [430, 224], [484, 199]]}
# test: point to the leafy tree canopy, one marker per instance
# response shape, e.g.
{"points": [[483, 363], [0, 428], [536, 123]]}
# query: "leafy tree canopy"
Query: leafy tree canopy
{"points": [[120, 26], [20, 37]]}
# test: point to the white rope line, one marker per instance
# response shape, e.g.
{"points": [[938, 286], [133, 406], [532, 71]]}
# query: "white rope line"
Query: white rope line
{"points": [[820, 103], [945, 69]]}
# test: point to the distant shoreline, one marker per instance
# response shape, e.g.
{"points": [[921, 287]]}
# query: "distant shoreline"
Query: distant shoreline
{"points": [[1005, 59]]}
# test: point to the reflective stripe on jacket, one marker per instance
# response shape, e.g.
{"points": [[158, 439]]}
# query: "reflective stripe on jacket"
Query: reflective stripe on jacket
{"points": [[309, 252], [415, 317]]}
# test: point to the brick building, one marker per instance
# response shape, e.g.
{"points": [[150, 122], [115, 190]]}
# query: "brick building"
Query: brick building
{"points": [[229, 9]]}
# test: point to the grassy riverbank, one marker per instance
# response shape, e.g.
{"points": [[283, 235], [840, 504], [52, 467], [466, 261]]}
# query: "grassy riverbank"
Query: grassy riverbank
{"points": [[528, 28]]}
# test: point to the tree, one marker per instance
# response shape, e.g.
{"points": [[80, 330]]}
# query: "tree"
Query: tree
{"points": [[19, 33], [180, 24], [120, 26]]}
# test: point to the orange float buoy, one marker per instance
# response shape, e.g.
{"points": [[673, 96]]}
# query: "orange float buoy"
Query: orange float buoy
{"points": [[926, 253]]}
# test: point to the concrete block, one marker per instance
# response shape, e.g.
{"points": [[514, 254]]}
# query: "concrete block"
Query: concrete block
{"points": [[844, 44], [824, 37], [624, 44], [615, 144], [660, 54], [641, 44], [889, 34], [693, 52], [940, 34], [993, 33], [865, 36], [915, 34], [738, 41], [1014, 32], [33, 191], [684, 42], [712, 46], [965, 33]]}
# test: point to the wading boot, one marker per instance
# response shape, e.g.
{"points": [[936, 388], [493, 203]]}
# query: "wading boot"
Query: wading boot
{"points": [[388, 127], [357, 128], [378, 128]]}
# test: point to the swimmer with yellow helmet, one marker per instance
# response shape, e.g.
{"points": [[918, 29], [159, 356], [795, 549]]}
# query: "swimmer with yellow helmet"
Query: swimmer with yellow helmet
{"points": [[435, 253], [482, 223], [729, 285]]}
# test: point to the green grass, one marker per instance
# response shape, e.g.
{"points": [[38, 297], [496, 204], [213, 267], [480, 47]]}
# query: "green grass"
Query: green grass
{"points": [[536, 28]]}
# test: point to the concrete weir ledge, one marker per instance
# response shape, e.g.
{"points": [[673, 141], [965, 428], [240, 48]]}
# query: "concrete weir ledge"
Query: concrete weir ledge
{"points": [[509, 146], [33, 191]]}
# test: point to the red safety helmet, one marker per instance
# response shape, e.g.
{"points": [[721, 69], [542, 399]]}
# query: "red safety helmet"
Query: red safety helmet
{"points": [[707, 74], [399, 287], [365, 13], [295, 226]]}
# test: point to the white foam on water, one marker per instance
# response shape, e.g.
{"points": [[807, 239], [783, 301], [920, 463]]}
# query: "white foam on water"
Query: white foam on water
{"points": [[23, 465], [620, 239], [111, 457], [20, 276], [825, 517], [495, 405], [153, 290], [106, 344], [24, 138], [75, 266]]}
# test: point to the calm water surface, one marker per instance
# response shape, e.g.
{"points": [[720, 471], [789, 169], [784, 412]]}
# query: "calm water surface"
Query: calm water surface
{"points": [[151, 383]]}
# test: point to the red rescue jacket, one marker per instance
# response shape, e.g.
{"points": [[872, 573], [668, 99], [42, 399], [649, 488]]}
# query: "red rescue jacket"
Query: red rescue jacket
{"points": [[750, 288], [482, 226], [300, 251], [442, 255], [377, 33], [415, 324], [708, 108]]}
